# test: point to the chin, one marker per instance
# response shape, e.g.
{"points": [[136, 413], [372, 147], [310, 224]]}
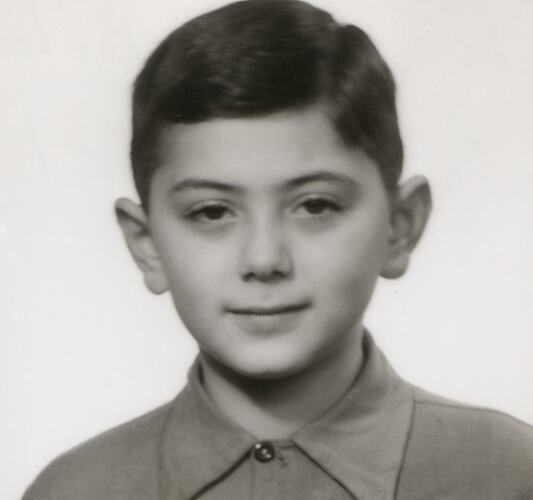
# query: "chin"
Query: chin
{"points": [[264, 367]]}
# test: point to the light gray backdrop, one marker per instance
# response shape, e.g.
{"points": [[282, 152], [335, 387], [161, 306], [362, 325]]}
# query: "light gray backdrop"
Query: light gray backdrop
{"points": [[83, 346]]}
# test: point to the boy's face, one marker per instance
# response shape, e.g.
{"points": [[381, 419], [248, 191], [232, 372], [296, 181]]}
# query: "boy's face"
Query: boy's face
{"points": [[269, 234]]}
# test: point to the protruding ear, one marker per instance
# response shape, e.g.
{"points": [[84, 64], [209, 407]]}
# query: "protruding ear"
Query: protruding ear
{"points": [[134, 224], [409, 215]]}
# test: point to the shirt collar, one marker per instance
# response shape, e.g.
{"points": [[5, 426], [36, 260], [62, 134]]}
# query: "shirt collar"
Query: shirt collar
{"points": [[360, 441]]}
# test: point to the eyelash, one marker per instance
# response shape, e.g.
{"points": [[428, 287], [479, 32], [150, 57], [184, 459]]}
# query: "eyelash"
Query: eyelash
{"points": [[326, 207], [198, 214]]}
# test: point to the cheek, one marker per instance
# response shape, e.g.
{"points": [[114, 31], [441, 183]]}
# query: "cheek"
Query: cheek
{"points": [[193, 297], [349, 262], [191, 270]]}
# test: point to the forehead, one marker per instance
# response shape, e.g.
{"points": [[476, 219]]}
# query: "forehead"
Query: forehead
{"points": [[259, 150]]}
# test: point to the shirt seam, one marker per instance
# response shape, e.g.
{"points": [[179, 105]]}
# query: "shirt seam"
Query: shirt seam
{"points": [[161, 472], [473, 409], [404, 450]]}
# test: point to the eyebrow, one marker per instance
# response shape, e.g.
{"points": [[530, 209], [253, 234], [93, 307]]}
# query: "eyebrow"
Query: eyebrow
{"points": [[322, 176], [195, 183], [319, 176]]}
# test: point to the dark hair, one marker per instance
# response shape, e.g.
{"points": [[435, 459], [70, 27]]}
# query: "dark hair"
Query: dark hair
{"points": [[255, 57]]}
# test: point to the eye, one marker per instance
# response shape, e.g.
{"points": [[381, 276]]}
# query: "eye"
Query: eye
{"points": [[317, 206], [210, 213]]}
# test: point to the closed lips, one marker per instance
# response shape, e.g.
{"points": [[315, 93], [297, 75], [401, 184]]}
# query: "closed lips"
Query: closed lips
{"points": [[268, 311]]}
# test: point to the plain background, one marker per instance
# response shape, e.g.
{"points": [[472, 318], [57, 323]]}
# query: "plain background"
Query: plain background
{"points": [[83, 346]]}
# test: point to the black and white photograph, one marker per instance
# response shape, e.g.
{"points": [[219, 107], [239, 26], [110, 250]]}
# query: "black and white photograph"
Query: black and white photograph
{"points": [[266, 249]]}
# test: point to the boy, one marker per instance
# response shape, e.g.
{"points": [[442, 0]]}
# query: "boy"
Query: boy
{"points": [[267, 157]]}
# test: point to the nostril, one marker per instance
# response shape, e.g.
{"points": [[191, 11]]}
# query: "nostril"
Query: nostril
{"points": [[265, 276]]}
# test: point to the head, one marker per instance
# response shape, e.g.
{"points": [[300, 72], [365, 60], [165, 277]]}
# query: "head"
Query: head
{"points": [[258, 57], [267, 157]]}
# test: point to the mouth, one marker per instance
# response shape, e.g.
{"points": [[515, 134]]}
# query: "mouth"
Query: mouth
{"points": [[269, 319], [269, 311]]}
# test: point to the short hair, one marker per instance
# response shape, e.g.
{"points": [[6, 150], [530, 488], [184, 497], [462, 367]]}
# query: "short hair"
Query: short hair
{"points": [[257, 57]]}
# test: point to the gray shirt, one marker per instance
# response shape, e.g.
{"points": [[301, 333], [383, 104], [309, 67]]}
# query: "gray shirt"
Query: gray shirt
{"points": [[384, 440]]}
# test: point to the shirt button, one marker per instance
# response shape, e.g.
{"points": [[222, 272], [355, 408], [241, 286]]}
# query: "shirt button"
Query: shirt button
{"points": [[264, 451]]}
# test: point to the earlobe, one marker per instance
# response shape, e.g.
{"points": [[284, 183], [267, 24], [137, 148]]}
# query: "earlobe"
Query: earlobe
{"points": [[134, 224], [409, 216]]}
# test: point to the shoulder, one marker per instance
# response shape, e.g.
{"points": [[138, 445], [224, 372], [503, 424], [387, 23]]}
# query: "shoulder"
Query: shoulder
{"points": [[481, 427], [120, 463], [453, 443]]}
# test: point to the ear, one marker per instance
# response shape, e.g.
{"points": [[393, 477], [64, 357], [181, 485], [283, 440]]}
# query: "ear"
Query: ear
{"points": [[410, 211], [134, 224]]}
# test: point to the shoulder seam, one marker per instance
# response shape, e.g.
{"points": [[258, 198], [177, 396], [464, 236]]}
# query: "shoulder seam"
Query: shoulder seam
{"points": [[472, 409]]}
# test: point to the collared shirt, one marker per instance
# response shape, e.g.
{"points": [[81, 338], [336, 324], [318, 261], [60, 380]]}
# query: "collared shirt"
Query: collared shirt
{"points": [[384, 440]]}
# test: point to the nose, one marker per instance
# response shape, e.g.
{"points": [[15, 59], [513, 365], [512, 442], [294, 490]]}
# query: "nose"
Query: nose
{"points": [[265, 253]]}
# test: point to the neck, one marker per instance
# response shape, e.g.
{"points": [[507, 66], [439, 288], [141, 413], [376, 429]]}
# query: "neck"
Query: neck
{"points": [[276, 408]]}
